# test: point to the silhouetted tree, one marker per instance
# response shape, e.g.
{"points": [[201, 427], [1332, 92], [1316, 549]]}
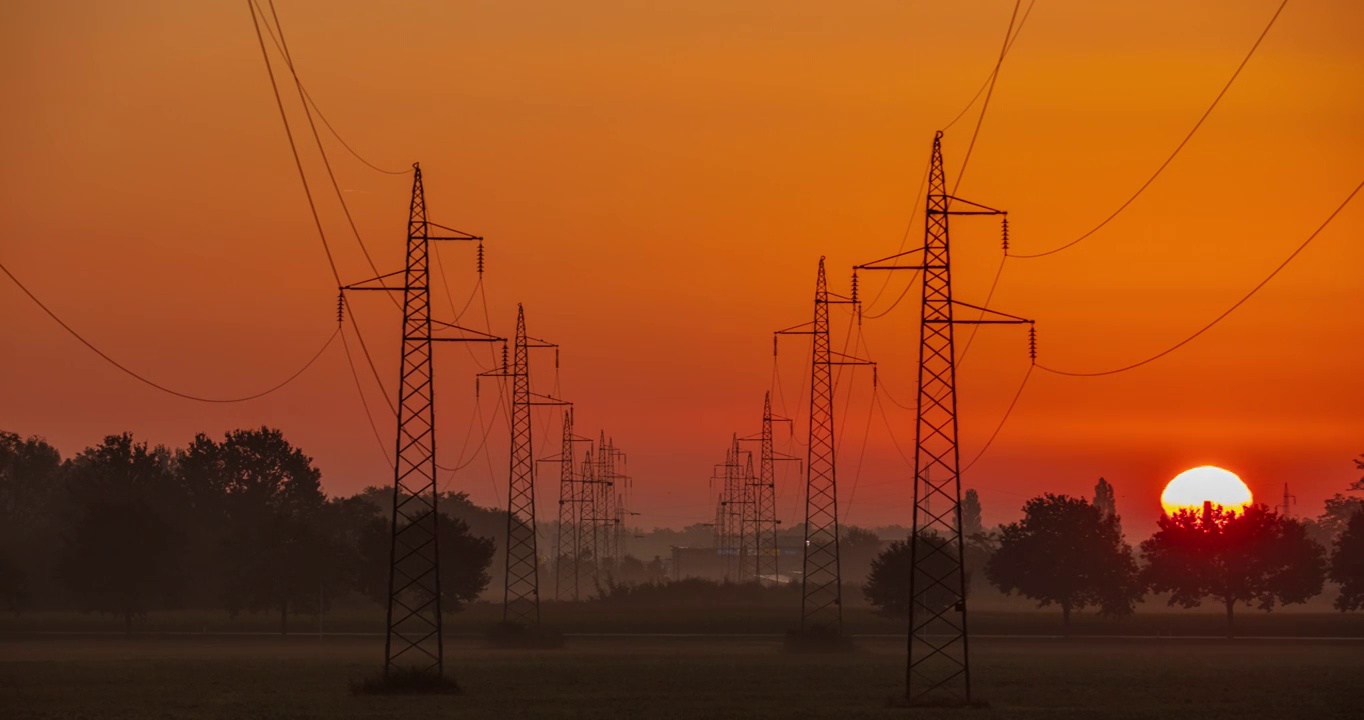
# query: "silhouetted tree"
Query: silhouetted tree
{"points": [[1066, 551], [276, 549], [1347, 565], [1104, 499], [1342, 506], [30, 491], [887, 586], [857, 549], [464, 557], [120, 556], [1256, 555], [970, 514]]}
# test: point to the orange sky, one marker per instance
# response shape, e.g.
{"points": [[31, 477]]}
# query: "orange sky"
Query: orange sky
{"points": [[657, 181]]}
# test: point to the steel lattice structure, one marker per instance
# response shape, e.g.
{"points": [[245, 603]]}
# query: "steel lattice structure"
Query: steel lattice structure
{"points": [[569, 548], [938, 668], [413, 637], [821, 577], [521, 590], [763, 521]]}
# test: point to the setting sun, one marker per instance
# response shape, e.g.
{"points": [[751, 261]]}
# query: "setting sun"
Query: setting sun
{"points": [[1191, 488]]}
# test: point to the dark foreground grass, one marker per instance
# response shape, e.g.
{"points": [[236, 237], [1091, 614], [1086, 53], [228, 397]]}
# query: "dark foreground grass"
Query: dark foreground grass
{"points": [[194, 678]]}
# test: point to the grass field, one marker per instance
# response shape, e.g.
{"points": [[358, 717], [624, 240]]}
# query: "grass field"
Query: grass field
{"points": [[1294, 621], [109, 676]]}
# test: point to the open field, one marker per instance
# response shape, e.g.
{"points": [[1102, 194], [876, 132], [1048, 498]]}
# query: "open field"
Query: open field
{"points": [[636, 677], [1294, 621]]}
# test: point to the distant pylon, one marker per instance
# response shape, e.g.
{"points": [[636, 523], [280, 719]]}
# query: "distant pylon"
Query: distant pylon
{"points": [[589, 537], [764, 524], [938, 668], [821, 579], [1286, 509], [570, 546], [521, 588], [414, 619]]}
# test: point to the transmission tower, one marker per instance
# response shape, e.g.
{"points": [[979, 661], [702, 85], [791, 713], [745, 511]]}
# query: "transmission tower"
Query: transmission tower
{"points": [[521, 589], [938, 668], [821, 580], [589, 514], [763, 491], [414, 621], [568, 552], [1286, 509]]}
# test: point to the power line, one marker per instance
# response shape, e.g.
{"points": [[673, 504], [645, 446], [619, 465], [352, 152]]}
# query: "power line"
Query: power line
{"points": [[1228, 311], [1002, 421], [985, 106], [350, 361], [1178, 148], [293, 147], [147, 381], [1007, 47], [308, 99]]}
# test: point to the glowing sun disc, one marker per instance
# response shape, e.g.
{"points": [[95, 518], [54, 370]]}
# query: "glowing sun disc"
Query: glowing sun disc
{"points": [[1191, 488]]}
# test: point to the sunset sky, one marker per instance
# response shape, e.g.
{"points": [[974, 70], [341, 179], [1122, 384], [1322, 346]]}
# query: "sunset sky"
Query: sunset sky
{"points": [[657, 181]]}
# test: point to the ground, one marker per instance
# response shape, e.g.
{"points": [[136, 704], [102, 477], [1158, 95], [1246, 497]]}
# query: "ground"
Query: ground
{"points": [[191, 677]]}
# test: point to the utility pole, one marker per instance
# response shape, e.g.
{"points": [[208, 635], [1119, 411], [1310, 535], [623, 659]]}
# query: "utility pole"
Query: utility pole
{"points": [[763, 491], [821, 604], [414, 621], [521, 588], [939, 668]]}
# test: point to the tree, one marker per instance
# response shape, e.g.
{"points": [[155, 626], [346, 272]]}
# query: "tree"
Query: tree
{"points": [[1347, 565], [858, 549], [887, 586], [1066, 551], [1343, 506], [121, 555], [275, 556], [970, 514], [464, 557], [29, 495], [1253, 556], [1104, 498]]}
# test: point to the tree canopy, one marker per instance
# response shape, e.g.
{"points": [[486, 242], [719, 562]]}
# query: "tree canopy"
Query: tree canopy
{"points": [[1347, 564], [1254, 556], [1069, 552]]}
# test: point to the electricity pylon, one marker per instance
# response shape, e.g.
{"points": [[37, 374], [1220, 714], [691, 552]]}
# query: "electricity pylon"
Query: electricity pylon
{"points": [[939, 663], [521, 588], [821, 603], [414, 621], [763, 509], [568, 548], [730, 513], [589, 548]]}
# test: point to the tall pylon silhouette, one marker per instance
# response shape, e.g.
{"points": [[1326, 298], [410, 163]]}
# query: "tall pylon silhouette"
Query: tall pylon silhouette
{"points": [[414, 620], [821, 580], [938, 669], [521, 589]]}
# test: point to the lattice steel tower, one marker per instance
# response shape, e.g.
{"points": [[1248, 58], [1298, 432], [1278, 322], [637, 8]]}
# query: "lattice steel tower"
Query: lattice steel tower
{"points": [[762, 517], [821, 580], [939, 662], [521, 591], [414, 621], [568, 560]]}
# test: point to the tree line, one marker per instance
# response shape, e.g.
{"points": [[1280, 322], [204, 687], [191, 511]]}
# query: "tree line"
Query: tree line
{"points": [[1071, 552], [241, 523]]}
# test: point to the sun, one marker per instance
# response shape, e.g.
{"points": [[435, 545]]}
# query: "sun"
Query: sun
{"points": [[1191, 488]]}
